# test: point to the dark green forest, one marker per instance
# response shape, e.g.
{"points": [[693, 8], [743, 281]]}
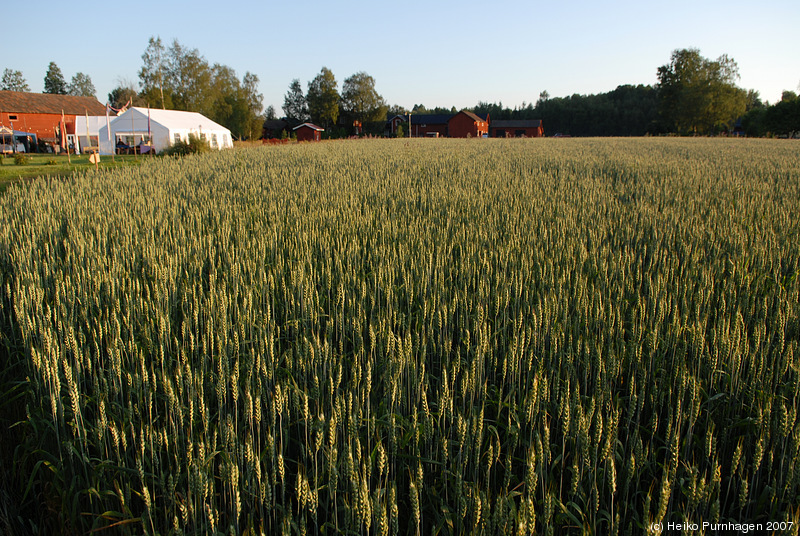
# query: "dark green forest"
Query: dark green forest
{"points": [[694, 96], [625, 111], [638, 110]]}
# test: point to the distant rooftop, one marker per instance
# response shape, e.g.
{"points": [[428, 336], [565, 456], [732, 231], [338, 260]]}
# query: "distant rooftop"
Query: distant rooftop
{"points": [[45, 103]]}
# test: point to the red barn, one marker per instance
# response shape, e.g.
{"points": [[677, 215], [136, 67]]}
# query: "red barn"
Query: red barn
{"points": [[519, 128], [468, 125], [40, 113], [308, 132], [429, 125]]}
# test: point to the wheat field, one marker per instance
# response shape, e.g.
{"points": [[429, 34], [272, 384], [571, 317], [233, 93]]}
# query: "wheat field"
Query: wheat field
{"points": [[583, 336]]}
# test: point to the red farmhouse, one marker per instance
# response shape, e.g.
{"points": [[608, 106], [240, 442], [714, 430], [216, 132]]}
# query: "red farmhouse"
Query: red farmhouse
{"points": [[40, 113], [308, 132], [467, 125], [521, 128]]}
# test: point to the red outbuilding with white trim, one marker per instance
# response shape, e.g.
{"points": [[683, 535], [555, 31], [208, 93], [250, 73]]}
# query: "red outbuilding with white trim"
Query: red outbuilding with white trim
{"points": [[308, 132]]}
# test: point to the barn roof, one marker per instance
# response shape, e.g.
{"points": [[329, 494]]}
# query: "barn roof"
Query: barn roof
{"points": [[471, 115], [309, 125], [44, 103], [516, 123], [430, 119]]}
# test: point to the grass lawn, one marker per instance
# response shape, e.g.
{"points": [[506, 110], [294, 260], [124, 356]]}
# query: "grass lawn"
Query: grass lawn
{"points": [[40, 165]]}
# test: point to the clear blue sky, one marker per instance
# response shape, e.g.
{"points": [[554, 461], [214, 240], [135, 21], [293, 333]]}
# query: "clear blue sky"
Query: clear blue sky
{"points": [[437, 53]]}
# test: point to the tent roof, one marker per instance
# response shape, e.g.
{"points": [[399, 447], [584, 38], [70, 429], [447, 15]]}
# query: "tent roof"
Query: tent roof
{"points": [[172, 119], [96, 122]]}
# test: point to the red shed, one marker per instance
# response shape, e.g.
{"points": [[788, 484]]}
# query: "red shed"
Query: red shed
{"points": [[40, 113], [468, 125], [308, 132], [519, 128], [396, 121]]}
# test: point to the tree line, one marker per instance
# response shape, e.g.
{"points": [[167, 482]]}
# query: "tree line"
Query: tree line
{"points": [[693, 96], [54, 82], [180, 78], [359, 105]]}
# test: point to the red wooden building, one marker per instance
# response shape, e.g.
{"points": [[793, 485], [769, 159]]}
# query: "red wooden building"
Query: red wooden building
{"points": [[40, 113], [464, 124], [308, 132], [518, 128], [395, 122], [467, 125], [429, 125]]}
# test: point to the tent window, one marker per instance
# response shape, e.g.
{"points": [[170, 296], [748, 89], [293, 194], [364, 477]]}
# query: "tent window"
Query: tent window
{"points": [[225, 140], [214, 140], [177, 138]]}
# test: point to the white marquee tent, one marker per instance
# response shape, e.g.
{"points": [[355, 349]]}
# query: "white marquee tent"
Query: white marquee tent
{"points": [[87, 129], [163, 128]]}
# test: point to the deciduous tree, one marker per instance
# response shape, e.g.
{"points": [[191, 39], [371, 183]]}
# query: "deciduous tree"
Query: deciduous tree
{"points": [[323, 98], [699, 95], [227, 105], [189, 78], [235, 104], [180, 78], [153, 73], [255, 104], [783, 118], [360, 100]]}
